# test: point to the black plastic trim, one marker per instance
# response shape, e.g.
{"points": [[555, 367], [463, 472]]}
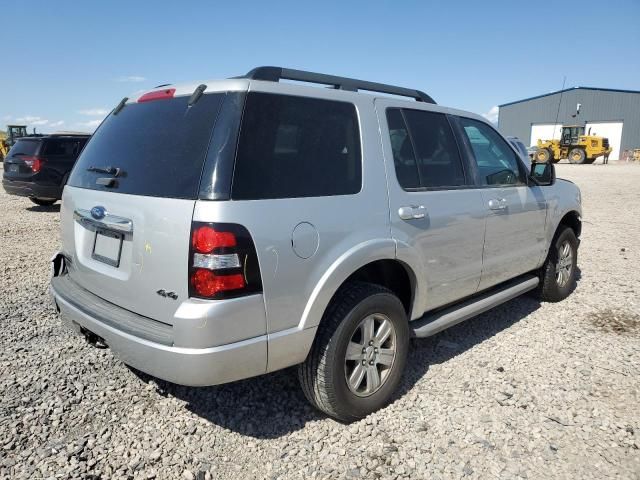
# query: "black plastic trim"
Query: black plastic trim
{"points": [[275, 74]]}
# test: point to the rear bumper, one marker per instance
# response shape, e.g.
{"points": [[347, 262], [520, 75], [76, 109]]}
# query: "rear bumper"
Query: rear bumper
{"points": [[31, 189], [181, 365]]}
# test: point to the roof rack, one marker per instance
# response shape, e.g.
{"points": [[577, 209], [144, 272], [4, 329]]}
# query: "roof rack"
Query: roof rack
{"points": [[275, 74]]}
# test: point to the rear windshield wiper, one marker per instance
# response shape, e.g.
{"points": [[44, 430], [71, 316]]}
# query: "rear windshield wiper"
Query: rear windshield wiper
{"points": [[108, 170]]}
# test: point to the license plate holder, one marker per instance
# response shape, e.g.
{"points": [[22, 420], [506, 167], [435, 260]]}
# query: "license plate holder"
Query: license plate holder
{"points": [[13, 168], [107, 247]]}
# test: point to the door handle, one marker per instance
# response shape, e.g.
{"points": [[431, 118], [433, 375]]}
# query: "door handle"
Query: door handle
{"points": [[412, 212], [498, 203]]}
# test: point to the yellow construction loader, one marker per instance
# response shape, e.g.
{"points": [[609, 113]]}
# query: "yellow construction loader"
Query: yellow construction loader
{"points": [[573, 145], [4, 147], [8, 138]]}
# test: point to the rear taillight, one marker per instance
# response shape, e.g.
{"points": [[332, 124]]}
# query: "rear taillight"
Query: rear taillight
{"points": [[222, 261], [34, 163]]}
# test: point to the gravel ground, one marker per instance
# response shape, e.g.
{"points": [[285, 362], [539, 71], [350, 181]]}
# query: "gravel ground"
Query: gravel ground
{"points": [[527, 390]]}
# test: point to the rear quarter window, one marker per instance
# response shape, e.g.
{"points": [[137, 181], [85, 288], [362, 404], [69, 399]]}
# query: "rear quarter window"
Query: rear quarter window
{"points": [[66, 148], [297, 147]]}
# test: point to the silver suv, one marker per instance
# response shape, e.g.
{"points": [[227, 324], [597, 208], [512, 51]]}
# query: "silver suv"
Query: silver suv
{"points": [[219, 231]]}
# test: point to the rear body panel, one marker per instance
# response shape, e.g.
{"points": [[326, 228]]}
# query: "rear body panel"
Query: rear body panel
{"points": [[153, 257]]}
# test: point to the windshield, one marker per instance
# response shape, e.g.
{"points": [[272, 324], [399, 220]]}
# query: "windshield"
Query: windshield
{"points": [[158, 147]]}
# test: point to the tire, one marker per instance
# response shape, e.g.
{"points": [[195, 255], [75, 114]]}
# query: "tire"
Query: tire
{"points": [[43, 202], [577, 156], [323, 375], [543, 155], [551, 288]]}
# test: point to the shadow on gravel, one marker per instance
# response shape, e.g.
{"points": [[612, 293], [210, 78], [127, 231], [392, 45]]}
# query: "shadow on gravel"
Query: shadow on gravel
{"points": [[269, 406], [42, 208], [273, 405]]}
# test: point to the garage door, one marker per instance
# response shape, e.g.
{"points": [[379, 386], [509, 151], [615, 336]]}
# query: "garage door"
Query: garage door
{"points": [[611, 130], [544, 131]]}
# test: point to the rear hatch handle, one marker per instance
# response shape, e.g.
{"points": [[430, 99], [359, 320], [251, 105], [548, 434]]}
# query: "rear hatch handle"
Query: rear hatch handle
{"points": [[108, 221]]}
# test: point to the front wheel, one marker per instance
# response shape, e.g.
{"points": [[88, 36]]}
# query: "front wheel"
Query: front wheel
{"points": [[43, 202], [543, 155], [577, 156], [558, 274], [359, 354]]}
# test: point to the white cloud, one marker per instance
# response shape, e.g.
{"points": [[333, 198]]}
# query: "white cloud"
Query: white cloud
{"points": [[94, 112], [91, 124], [131, 78], [59, 123], [492, 114], [6, 118], [33, 120]]}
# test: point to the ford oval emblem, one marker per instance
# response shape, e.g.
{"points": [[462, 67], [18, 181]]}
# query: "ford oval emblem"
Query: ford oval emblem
{"points": [[98, 213]]}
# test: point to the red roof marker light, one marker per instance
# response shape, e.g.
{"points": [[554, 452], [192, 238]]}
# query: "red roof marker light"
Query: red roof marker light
{"points": [[157, 95]]}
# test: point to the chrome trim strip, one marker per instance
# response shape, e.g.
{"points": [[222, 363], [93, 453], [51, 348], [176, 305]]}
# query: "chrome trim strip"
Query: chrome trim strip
{"points": [[110, 222]]}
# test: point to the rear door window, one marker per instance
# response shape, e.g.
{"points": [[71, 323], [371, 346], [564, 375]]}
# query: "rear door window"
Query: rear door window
{"points": [[424, 149], [297, 147], [160, 147]]}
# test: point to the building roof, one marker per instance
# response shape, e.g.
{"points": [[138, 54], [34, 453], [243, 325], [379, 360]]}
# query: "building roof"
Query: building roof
{"points": [[567, 90]]}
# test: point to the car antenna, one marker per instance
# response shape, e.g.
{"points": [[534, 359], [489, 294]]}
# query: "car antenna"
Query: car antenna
{"points": [[120, 105], [197, 93]]}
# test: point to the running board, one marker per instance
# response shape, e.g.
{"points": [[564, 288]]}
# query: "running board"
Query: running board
{"points": [[434, 322]]}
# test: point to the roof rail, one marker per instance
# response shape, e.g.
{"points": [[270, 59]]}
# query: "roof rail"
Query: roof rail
{"points": [[275, 74]]}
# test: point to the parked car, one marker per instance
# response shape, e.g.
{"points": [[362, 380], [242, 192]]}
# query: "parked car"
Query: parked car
{"points": [[521, 149], [38, 167], [216, 232]]}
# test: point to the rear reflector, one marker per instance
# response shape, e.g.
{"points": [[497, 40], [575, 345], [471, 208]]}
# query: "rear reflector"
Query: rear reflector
{"points": [[157, 95], [207, 283]]}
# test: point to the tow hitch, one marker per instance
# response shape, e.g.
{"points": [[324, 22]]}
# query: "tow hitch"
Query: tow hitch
{"points": [[93, 339]]}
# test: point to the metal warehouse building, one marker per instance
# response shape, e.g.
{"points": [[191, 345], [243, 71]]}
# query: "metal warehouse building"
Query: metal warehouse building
{"points": [[606, 112]]}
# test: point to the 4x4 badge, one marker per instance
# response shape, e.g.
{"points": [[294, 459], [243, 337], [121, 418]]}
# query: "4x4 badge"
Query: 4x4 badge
{"points": [[164, 293]]}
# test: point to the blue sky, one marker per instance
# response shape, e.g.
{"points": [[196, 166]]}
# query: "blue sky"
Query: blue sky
{"points": [[65, 64]]}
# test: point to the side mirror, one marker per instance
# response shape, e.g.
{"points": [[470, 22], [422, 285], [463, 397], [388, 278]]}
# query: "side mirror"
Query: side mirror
{"points": [[543, 174]]}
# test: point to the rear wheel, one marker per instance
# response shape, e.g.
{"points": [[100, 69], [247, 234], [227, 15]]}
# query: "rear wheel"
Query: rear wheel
{"points": [[359, 354], [577, 156], [558, 274], [543, 155], [43, 202]]}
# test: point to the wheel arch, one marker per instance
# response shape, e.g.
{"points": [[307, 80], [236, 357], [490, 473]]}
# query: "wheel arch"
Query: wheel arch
{"points": [[572, 220], [373, 262]]}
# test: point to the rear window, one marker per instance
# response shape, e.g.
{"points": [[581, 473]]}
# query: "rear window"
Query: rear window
{"points": [[297, 147], [159, 146], [25, 147]]}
